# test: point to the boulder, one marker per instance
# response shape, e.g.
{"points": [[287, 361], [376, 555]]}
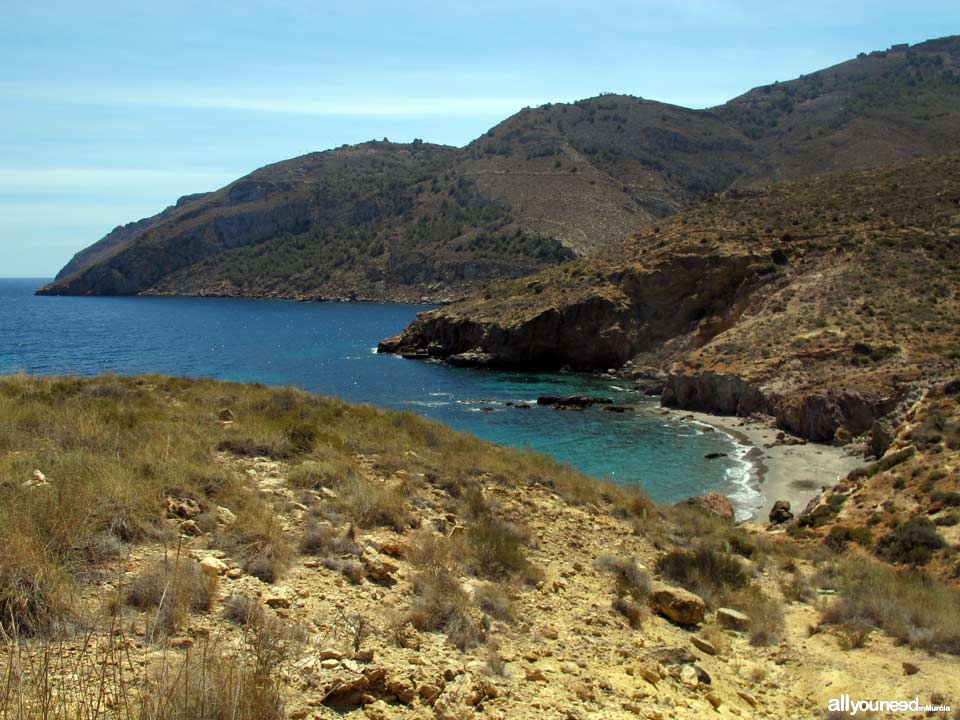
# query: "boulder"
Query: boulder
{"points": [[731, 619], [780, 512], [225, 516], [881, 438], [679, 606], [703, 645], [213, 567], [472, 358], [377, 568], [712, 502], [182, 507], [38, 479], [578, 401], [278, 598]]}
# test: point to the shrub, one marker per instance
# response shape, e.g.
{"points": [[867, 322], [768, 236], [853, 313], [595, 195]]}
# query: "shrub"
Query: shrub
{"points": [[242, 609], [906, 604], [854, 635], [705, 571], [259, 541], [440, 602], [496, 547], [494, 601], [210, 685], [173, 588], [373, 503], [949, 499], [948, 520], [332, 471], [32, 592], [632, 611], [630, 579], [912, 543], [301, 437], [248, 447], [839, 536], [765, 612]]}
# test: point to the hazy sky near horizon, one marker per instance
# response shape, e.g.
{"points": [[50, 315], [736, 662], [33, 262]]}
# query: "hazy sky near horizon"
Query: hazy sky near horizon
{"points": [[112, 110]]}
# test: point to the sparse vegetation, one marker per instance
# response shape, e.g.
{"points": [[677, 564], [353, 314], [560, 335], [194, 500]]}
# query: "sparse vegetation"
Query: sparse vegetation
{"points": [[912, 543], [910, 606], [168, 590]]}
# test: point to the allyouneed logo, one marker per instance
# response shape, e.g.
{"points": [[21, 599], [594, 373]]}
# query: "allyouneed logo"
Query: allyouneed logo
{"points": [[846, 704]]}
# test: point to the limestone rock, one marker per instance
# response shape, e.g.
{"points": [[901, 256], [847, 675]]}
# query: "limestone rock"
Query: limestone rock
{"points": [[677, 605], [225, 516], [712, 502], [704, 645], [377, 568], [182, 507], [38, 479], [688, 676], [403, 688], [732, 619], [277, 598], [213, 567]]}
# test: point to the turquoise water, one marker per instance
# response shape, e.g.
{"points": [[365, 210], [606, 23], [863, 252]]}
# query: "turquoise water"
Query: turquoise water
{"points": [[329, 348]]}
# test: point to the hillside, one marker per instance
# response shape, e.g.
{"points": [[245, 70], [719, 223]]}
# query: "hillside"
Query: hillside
{"points": [[823, 302], [411, 222], [195, 549]]}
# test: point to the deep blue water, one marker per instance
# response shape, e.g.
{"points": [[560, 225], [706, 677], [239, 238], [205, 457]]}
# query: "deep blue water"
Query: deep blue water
{"points": [[329, 348]]}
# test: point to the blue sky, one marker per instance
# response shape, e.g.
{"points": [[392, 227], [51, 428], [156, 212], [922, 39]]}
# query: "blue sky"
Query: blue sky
{"points": [[111, 110]]}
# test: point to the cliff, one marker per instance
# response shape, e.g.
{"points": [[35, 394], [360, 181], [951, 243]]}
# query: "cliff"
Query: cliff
{"points": [[819, 301]]}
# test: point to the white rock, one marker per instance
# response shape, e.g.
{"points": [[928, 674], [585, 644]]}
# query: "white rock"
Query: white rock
{"points": [[213, 567]]}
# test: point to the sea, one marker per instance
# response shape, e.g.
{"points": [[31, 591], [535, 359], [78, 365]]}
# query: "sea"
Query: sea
{"points": [[330, 349]]}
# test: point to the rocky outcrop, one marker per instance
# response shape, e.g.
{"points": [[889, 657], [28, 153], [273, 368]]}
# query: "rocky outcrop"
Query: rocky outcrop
{"points": [[184, 242], [638, 311], [584, 335], [714, 503], [780, 512], [814, 416]]}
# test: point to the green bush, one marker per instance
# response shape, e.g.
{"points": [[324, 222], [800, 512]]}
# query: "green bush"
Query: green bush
{"points": [[705, 571], [912, 543]]}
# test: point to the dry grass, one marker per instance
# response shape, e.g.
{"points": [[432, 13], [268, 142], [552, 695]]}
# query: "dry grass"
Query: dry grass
{"points": [[95, 678], [630, 580], [331, 471], [259, 540], [912, 607], [170, 589], [440, 601], [116, 449]]}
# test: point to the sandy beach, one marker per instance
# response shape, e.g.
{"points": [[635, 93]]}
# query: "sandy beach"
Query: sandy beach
{"points": [[787, 472]]}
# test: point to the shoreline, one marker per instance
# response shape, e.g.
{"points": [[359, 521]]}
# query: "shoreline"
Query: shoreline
{"points": [[785, 472]]}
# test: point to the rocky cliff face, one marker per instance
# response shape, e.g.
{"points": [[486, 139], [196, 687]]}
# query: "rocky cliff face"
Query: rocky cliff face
{"points": [[812, 301], [121, 236]]}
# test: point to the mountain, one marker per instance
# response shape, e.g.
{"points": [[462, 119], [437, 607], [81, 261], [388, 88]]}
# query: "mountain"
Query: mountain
{"points": [[368, 216], [421, 221], [823, 302]]}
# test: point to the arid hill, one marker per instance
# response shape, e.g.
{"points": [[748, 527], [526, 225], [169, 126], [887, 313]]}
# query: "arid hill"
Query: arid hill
{"points": [[823, 302], [182, 548], [420, 221]]}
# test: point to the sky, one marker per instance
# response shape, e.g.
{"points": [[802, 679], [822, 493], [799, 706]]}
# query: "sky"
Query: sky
{"points": [[109, 111]]}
